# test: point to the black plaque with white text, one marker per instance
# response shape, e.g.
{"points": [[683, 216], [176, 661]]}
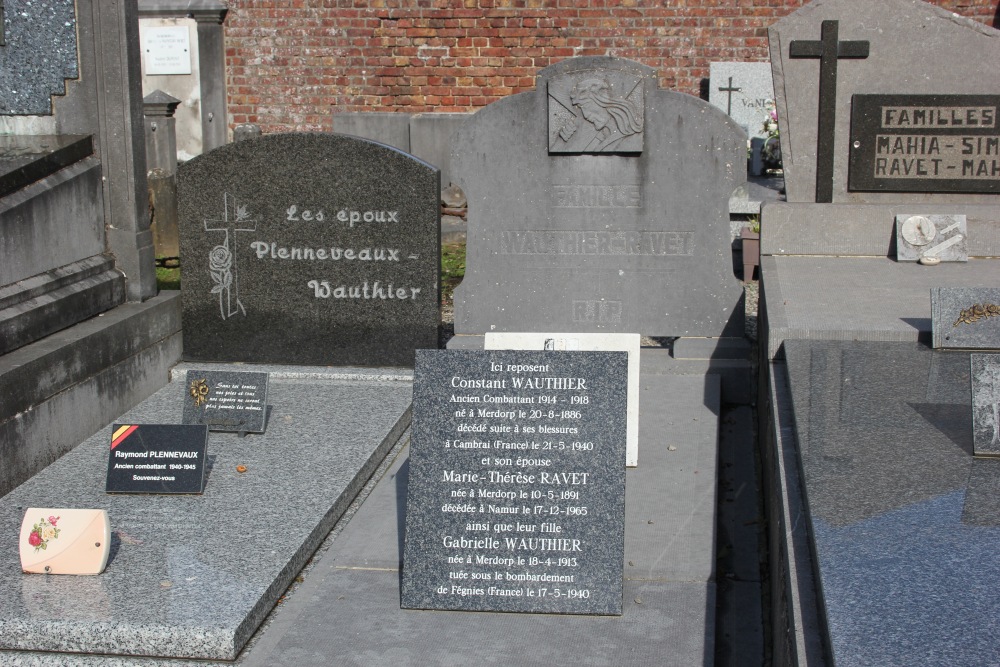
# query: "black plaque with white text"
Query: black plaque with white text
{"points": [[157, 458], [925, 143], [516, 492], [233, 401]]}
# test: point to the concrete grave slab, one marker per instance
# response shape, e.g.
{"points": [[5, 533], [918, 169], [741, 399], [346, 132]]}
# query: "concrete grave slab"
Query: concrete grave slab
{"points": [[509, 340], [914, 48], [392, 129], [629, 232], [309, 249]]}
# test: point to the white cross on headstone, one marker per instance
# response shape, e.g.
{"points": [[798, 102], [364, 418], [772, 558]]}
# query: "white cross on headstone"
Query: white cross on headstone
{"points": [[222, 264]]}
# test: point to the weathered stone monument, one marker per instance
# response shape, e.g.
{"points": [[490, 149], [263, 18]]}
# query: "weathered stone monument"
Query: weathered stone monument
{"points": [[889, 143], [600, 203], [76, 240]]}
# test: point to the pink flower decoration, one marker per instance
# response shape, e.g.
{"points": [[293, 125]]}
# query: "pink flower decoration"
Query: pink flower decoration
{"points": [[53, 519], [34, 539]]}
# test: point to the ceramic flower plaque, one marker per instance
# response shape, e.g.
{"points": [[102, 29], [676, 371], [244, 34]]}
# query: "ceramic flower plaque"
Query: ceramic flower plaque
{"points": [[64, 541]]}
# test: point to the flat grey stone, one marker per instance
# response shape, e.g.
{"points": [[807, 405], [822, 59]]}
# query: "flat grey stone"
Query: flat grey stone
{"points": [[193, 576], [943, 60], [26, 159], [313, 249], [875, 299], [583, 238], [941, 237], [392, 129], [966, 317]]}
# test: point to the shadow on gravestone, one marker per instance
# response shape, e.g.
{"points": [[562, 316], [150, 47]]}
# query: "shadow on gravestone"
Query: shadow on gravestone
{"points": [[317, 249], [600, 203]]}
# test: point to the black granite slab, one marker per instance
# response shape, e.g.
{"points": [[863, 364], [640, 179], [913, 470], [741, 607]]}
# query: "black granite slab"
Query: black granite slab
{"points": [[516, 497], [230, 401], [903, 517], [26, 159], [309, 249]]}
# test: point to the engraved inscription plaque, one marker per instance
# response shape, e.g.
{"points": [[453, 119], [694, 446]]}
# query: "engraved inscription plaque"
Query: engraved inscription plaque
{"points": [[925, 143]]}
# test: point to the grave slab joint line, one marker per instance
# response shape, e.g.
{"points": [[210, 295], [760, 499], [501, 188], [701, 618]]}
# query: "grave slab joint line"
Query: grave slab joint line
{"points": [[829, 50]]}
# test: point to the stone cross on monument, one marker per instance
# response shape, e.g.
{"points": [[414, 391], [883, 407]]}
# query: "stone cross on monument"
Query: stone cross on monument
{"points": [[729, 93], [222, 264], [828, 49]]}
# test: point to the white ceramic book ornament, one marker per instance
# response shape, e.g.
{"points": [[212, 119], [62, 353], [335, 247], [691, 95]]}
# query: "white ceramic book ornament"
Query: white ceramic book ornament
{"points": [[64, 541]]}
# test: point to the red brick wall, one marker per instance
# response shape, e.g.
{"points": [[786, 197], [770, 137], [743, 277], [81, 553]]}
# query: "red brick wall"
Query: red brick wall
{"points": [[291, 62]]}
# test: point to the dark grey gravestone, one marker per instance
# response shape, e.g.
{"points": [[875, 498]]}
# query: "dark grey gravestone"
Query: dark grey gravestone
{"points": [[986, 404], [516, 492], [157, 458], [316, 249], [600, 203], [914, 48], [27, 159], [231, 401], [965, 317], [38, 54], [944, 237]]}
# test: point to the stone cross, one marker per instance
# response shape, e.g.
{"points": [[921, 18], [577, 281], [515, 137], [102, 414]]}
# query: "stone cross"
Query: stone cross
{"points": [[222, 261], [828, 49], [729, 93]]}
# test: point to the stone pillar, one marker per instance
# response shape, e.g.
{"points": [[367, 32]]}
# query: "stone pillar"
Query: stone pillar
{"points": [[121, 144], [161, 166], [212, 68]]}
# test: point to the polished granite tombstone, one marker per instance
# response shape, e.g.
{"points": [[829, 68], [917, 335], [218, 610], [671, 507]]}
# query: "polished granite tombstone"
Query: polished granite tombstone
{"points": [[38, 54], [309, 248], [193, 576], [903, 518]]}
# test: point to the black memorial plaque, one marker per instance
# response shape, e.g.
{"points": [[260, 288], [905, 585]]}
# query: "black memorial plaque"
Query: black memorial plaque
{"points": [[226, 401], [516, 493], [157, 458], [925, 143]]}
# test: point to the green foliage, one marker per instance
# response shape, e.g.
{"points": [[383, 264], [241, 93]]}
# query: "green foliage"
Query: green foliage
{"points": [[168, 279], [452, 268]]}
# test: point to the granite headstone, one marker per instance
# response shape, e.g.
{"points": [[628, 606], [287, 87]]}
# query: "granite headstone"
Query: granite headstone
{"points": [[592, 342], [315, 249], [908, 51], [985, 371], [232, 401], [599, 203], [965, 317], [38, 55], [516, 491]]}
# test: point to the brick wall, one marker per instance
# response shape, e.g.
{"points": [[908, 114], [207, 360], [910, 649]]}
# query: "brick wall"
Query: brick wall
{"points": [[289, 63]]}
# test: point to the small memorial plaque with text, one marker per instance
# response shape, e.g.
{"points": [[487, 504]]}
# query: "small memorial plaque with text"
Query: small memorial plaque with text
{"points": [[516, 494], [226, 401], [925, 143], [157, 458]]}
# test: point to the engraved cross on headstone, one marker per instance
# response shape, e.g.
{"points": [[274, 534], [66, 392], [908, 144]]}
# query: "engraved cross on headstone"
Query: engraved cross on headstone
{"points": [[729, 91], [828, 49], [222, 260]]}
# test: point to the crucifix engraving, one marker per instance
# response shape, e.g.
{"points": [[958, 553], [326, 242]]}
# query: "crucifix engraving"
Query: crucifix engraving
{"points": [[222, 264], [729, 93], [829, 50]]}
